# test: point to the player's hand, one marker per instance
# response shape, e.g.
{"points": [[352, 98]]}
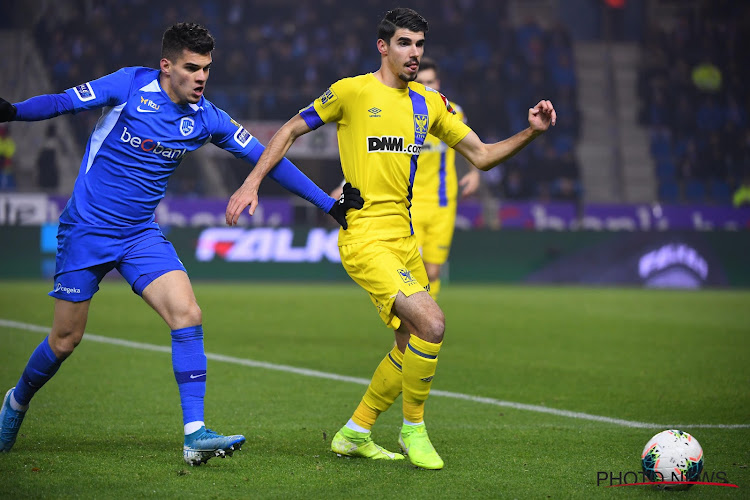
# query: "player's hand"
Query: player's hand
{"points": [[469, 183], [7, 111], [350, 198], [542, 116], [245, 196]]}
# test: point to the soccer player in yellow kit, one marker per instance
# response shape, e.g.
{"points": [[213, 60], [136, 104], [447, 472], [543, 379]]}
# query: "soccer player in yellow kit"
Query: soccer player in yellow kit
{"points": [[435, 191], [383, 119]]}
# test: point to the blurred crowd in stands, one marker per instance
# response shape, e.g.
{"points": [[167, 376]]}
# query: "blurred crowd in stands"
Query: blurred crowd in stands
{"points": [[274, 57], [693, 87]]}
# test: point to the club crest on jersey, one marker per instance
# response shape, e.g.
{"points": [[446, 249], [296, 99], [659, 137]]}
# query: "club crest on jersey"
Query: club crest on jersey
{"points": [[420, 126], [84, 92], [187, 125], [406, 276], [327, 98]]}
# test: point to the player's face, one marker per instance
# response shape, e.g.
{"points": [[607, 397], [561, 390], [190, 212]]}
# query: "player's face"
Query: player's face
{"points": [[428, 78], [186, 77], [403, 53]]}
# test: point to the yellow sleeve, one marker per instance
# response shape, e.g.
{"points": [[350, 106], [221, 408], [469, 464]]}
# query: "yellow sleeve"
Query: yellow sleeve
{"points": [[327, 108], [447, 126]]}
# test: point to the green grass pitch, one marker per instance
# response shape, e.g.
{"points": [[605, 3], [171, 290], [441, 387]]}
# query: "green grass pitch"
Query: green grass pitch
{"points": [[108, 425]]}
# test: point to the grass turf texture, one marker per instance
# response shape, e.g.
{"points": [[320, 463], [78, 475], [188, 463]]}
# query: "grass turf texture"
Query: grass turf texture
{"points": [[109, 425]]}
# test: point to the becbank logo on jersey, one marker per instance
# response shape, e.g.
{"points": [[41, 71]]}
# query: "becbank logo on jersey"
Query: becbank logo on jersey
{"points": [[149, 146], [84, 92], [391, 144]]}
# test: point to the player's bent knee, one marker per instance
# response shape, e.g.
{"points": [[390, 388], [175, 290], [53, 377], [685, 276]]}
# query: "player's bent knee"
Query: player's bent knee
{"points": [[432, 328], [64, 344], [190, 315]]}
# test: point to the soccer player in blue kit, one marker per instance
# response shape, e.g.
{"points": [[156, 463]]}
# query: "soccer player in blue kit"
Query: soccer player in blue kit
{"points": [[150, 119]]}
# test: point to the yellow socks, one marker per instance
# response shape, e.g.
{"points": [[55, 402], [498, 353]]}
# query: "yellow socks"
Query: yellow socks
{"points": [[418, 368], [411, 371], [383, 390]]}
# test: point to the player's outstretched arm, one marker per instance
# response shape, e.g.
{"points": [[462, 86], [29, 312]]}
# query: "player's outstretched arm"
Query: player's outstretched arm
{"points": [[247, 194], [289, 176], [36, 108], [486, 156]]}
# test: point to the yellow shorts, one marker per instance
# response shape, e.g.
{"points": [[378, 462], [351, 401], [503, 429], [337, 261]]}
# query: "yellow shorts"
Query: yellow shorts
{"points": [[383, 268], [433, 227]]}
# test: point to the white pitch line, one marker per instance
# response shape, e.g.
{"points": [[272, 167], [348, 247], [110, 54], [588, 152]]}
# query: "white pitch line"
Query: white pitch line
{"points": [[361, 381]]}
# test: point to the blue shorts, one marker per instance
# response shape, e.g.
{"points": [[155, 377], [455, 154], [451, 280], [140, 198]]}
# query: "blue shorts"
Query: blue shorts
{"points": [[85, 254]]}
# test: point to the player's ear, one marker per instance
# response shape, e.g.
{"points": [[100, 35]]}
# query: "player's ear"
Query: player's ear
{"points": [[165, 65], [382, 47]]}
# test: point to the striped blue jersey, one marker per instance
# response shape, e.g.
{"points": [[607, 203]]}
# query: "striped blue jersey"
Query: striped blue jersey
{"points": [[141, 137]]}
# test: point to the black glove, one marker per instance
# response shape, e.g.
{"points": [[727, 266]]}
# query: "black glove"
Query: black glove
{"points": [[7, 111], [350, 198]]}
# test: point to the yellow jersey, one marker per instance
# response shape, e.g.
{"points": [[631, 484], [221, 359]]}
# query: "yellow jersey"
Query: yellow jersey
{"points": [[381, 131], [436, 183]]}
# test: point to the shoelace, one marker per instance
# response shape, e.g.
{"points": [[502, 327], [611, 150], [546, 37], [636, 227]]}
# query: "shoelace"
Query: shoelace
{"points": [[13, 424], [207, 434]]}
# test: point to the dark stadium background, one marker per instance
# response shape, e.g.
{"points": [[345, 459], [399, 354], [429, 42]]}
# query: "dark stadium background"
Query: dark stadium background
{"points": [[652, 134]]}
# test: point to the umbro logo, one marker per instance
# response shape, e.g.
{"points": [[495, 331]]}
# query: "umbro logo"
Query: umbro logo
{"points": [[374, 112]]}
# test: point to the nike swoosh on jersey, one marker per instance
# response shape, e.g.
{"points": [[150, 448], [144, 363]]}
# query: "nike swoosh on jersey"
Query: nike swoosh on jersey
{"points": [[146, 110]]}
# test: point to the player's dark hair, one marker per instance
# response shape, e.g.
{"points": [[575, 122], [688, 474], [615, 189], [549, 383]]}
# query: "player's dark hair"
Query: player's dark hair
{"points": [[190, 36], [401, 18], [427, 63]]}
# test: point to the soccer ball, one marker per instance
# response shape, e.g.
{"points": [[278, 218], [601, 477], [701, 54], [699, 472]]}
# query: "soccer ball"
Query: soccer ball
{"points": [[672, 456]]}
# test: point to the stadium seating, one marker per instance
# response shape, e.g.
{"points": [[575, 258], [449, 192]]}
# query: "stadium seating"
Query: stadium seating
{"points": [[694, 119], [269, 65]]}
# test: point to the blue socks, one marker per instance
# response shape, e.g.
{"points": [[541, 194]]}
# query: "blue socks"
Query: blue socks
{"points": [[189, 365], [42, 365], [188, 361]]}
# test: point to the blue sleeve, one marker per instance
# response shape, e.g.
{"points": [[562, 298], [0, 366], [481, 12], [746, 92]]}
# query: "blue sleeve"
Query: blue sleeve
{"points": [[227, 133], [43, 106], [311, 117], [292, 179], [109, 90]]}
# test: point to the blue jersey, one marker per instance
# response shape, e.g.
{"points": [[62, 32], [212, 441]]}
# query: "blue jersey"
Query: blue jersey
{"points": [[138, 142]]}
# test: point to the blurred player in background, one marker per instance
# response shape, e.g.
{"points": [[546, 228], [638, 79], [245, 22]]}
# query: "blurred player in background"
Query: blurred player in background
{"points": [[150, 119], [383, 119], [435, 192]]}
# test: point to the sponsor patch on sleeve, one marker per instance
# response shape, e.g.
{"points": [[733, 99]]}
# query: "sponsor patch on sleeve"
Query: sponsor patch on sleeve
{"points": [[447, 104], [242, 137], [84, 92], [327, 98]]}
